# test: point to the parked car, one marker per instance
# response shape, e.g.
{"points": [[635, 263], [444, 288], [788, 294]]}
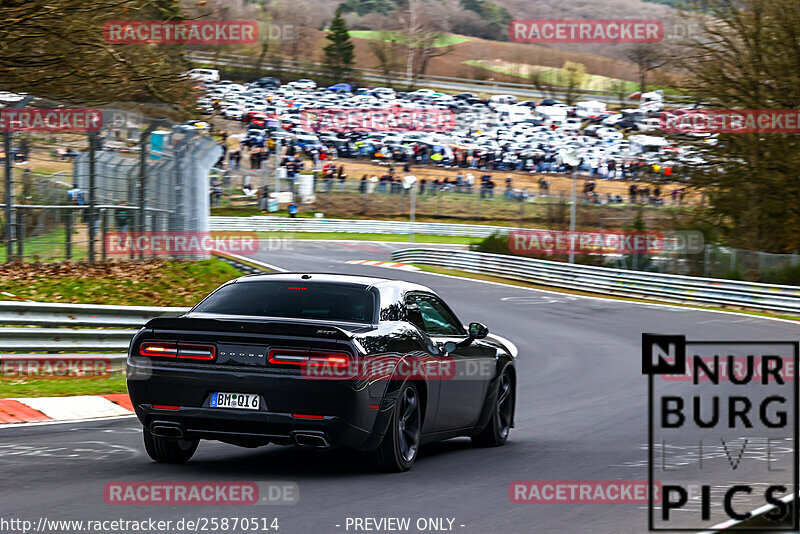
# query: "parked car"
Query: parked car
{"points": [[268, 82], [204, 75]]}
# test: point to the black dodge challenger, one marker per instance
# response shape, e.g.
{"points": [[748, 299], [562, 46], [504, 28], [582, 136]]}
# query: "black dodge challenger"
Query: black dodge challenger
{"points": [[319, 361]]}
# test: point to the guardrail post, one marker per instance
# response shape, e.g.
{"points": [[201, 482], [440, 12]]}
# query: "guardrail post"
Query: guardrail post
{"points": [[733, 260], [707, 261]]}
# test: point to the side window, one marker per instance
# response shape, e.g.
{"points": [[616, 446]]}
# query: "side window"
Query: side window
{"points": [[432, 316]]}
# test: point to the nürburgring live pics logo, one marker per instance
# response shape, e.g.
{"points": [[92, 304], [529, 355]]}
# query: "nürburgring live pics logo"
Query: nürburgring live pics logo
{"points": [[722, 433]]}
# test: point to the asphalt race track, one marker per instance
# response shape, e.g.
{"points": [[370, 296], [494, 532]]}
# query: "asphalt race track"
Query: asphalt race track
{"points": [[581, 415]]}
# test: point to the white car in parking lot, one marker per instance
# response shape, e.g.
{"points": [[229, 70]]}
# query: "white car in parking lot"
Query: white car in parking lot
{"points": [[233, 113], [203, 75], [609, 133], [303, 84]]}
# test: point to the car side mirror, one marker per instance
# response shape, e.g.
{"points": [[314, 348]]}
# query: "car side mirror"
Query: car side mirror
{"points": [[478, 331]]}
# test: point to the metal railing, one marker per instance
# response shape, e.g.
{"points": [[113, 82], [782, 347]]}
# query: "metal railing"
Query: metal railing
{"points": [[43, 330], [287, 224], [377, 75], [645, 285], [35, 330]]}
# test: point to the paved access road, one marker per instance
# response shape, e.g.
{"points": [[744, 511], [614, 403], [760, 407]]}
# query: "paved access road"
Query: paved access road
{"points": [[581, 415]]}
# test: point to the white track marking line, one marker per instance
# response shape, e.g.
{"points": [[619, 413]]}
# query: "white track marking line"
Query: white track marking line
{"points": [[77, 407], [88, 420]]}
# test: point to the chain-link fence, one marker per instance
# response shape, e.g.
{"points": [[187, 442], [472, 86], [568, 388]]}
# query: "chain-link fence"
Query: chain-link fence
{"points": [[90, 195], [710, 261]]}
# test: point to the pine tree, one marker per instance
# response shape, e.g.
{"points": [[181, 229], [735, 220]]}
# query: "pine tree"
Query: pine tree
{"points": [[339, 57]]}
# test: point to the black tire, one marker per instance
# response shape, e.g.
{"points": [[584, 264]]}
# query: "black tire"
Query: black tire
{"points": [[169, 451], [495, 433], [399, 448]]}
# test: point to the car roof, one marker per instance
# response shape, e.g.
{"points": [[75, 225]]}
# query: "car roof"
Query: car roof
{"points": [[333, 278]]}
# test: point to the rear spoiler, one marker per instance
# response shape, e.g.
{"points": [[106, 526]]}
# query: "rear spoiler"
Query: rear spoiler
{"points": [[249, 327]]}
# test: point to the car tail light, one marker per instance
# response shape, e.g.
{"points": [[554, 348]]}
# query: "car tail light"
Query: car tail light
{"points": [[162, 350], [196, 352], [302, 357], [187, 351], [307, 416], [329, 359], [165, 407]]}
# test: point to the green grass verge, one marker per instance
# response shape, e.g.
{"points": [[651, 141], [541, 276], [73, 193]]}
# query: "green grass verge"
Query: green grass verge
{"points": [[62, 387], [159, 283], [444, 39], [49, 247], [488, 278]]}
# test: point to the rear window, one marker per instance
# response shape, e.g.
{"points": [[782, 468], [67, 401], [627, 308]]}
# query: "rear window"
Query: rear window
{"points": [[292, 300]]}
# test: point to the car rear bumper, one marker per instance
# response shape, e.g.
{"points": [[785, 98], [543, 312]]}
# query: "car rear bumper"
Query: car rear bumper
{"points": [[175, 402]]}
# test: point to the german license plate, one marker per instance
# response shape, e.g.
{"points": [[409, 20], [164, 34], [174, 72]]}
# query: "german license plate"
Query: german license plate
{"points": [[245, 401]]}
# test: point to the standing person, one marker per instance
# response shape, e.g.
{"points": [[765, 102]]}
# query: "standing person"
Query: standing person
{"points": [[122, 218], [263, 201], [341, 176], [632, 192]]}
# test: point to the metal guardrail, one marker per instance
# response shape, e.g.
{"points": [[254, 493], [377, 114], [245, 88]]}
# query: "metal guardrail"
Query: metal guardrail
{"points": [[247, 265], [287, 224], [645, 285], [60, 315], [53, 339], [39, 330], [376, 75]]}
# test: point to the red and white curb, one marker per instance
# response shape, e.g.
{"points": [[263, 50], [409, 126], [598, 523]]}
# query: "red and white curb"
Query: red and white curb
{"points": [[36, 409], [13, 296], [390, 264]]}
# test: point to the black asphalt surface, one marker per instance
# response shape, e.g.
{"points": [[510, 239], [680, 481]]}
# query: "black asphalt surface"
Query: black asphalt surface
{"points": [[581, 415]]}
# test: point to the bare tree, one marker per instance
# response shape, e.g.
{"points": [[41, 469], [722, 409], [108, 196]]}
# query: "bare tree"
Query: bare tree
{"points": [[57, 49], [539, 81], [647, 57], [421, 37], [385, 50], [572, 77]]}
